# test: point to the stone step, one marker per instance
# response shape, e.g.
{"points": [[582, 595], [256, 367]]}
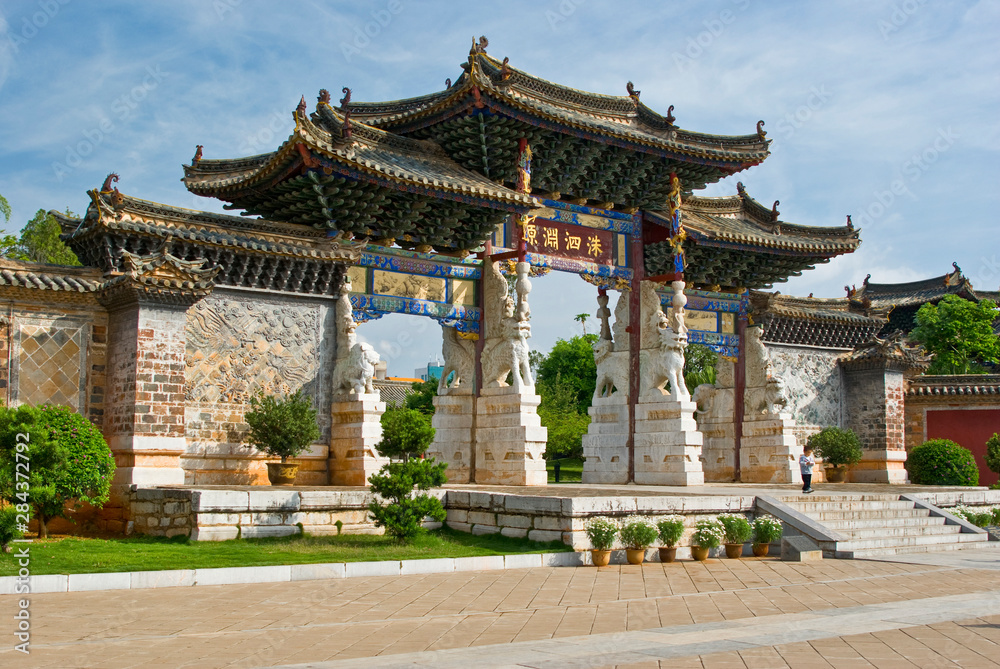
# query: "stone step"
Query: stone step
{"points": [[791, 500], [878, 514], [846, 524], [808, 507], [896, 532], [908, 541], [897, 550]]}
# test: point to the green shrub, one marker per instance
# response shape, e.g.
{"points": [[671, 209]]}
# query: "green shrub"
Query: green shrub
{"points": [[281, 427], [735, 528], [942, 462], [637, 532], [671, 530], [995, 516], [993, 453], [405, 433], [837, 447], [708, 533], [70, 463], [980, 516], [9, 528], [396, 508], [601, 532], [766, 530]]}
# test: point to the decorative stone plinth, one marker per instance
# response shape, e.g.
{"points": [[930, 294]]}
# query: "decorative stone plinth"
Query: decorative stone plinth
{"points": [[355, 430], [718, 449], [667, 443], [452, 443], [510, 438], [605, 446], [769, 452], [880, 467]]}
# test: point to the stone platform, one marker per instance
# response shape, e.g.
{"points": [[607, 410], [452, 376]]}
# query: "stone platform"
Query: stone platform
{"points": [[541, 513]]}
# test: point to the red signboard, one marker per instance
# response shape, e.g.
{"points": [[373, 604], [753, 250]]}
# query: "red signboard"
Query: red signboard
{"points": [[565, 240]]}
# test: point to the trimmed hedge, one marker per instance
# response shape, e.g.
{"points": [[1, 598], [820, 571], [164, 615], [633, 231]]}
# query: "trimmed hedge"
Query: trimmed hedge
{"points": [[942, 462]]}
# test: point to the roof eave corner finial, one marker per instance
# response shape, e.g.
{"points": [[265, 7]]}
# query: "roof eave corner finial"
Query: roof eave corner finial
{"points": [[868, 278], [741, 189], [110, 179], [632, 93], [850, 223], [323, 98], [300, 109], [774, 211], [761, 133], [670, 116], [197, 155], [345, 103]]}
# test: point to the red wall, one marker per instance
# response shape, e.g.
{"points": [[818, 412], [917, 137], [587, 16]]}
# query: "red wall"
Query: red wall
{"points": [[969, 428]]}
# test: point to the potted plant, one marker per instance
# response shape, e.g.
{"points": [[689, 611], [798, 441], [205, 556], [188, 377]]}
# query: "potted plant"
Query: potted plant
{"points": [[637, 534], [766, 530], [839, 449], [736, 531], [707, 535], [671, 529], [281, 428], [602, 533]]}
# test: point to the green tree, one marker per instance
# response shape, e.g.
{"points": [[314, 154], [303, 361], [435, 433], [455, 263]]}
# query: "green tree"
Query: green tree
{"points": [[4, 208], [405, 432], [39, 242], [281, 427], [561, 416], [572, 361], [960, 335], [396, 508], [69, 461], [582, 320], [422, 397], [993, 453], [699, 365]]}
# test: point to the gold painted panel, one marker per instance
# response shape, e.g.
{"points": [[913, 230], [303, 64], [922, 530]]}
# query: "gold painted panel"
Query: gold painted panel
{"points": [[359, 278], [728, 323], [622, 257], [463, 292], [703, 321], [409, 285]]}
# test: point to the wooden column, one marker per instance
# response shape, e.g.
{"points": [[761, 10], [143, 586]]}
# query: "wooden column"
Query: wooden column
{"points": [[740, 378]]}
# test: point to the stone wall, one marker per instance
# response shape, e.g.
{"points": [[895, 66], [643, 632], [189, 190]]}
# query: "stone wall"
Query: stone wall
{"points": [[813, 385], [239, 342]]}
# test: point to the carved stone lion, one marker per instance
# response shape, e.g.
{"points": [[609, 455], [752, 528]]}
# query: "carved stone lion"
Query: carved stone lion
{"points": [[665, 364], [612, 369], [355, 373], [775, 396], [508, 354], [459, 357], [704, 396]]}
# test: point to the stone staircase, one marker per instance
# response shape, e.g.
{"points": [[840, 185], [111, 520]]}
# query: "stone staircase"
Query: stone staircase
{"points": [[853, 526]]}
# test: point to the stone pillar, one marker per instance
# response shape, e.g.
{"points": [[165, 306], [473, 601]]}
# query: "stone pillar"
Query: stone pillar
{"points": [[509, 436], [769, 452], [716, 406], [605, 446], [453, 407], [144, 412], [452, 422], [355, 429], [667, 441], [874, 384]]}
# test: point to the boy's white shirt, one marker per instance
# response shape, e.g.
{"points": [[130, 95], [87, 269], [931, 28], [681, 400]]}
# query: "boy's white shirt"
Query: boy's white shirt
{"points": [[806, 463]]}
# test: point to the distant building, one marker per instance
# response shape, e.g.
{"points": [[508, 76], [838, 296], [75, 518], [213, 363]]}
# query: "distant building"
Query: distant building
{"points": [[433, 369]]}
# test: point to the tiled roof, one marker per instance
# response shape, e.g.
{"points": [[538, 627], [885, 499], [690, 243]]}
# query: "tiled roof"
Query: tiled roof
{"points": [[368, 150], [741, 220], [617, 117], [965, 384], [836, 309], [813, 321], [57, 278]]}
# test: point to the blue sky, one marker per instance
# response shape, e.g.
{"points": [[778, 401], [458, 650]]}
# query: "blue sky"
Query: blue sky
{"points": [[884, 110]]}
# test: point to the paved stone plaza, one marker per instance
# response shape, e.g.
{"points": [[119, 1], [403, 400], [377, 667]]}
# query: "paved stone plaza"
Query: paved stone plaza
{"points": [[931, 610]]}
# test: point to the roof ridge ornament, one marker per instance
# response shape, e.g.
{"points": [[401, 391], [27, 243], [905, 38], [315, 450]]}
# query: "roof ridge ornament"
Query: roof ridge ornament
{"points": [[850, 225], [741, 190], [197, 155], [774, 211], [481, 46], [505, 69], [346, 109], [670, 115], [447, 83], [632, 93], [761, 133], [301, 108], [323, 98]]}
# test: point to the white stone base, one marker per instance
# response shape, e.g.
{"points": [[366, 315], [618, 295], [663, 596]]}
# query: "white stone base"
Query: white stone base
{"points": [[667, 443], [605, 446], [452, 443], [769, 452], [718, 450], [880, 467], [510, 438], [355, 430]]}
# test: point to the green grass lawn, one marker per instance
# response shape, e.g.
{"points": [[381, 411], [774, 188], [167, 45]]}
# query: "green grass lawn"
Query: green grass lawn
{"points": [[80, 556], [570, 470]]}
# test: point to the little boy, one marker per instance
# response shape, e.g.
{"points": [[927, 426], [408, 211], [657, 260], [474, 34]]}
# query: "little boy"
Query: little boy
{"points": [[806, 464]]}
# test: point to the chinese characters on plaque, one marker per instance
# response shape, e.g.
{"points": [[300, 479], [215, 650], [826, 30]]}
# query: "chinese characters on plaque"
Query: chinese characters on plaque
{"points": [[553, 238]]}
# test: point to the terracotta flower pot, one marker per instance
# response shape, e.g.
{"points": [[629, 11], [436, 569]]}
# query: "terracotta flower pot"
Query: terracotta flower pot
{"points": [[600, 558], [734, 551], [835, 474], [760, 550], [668, 553], [698, 553], [282, 473], [635, 555]]}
